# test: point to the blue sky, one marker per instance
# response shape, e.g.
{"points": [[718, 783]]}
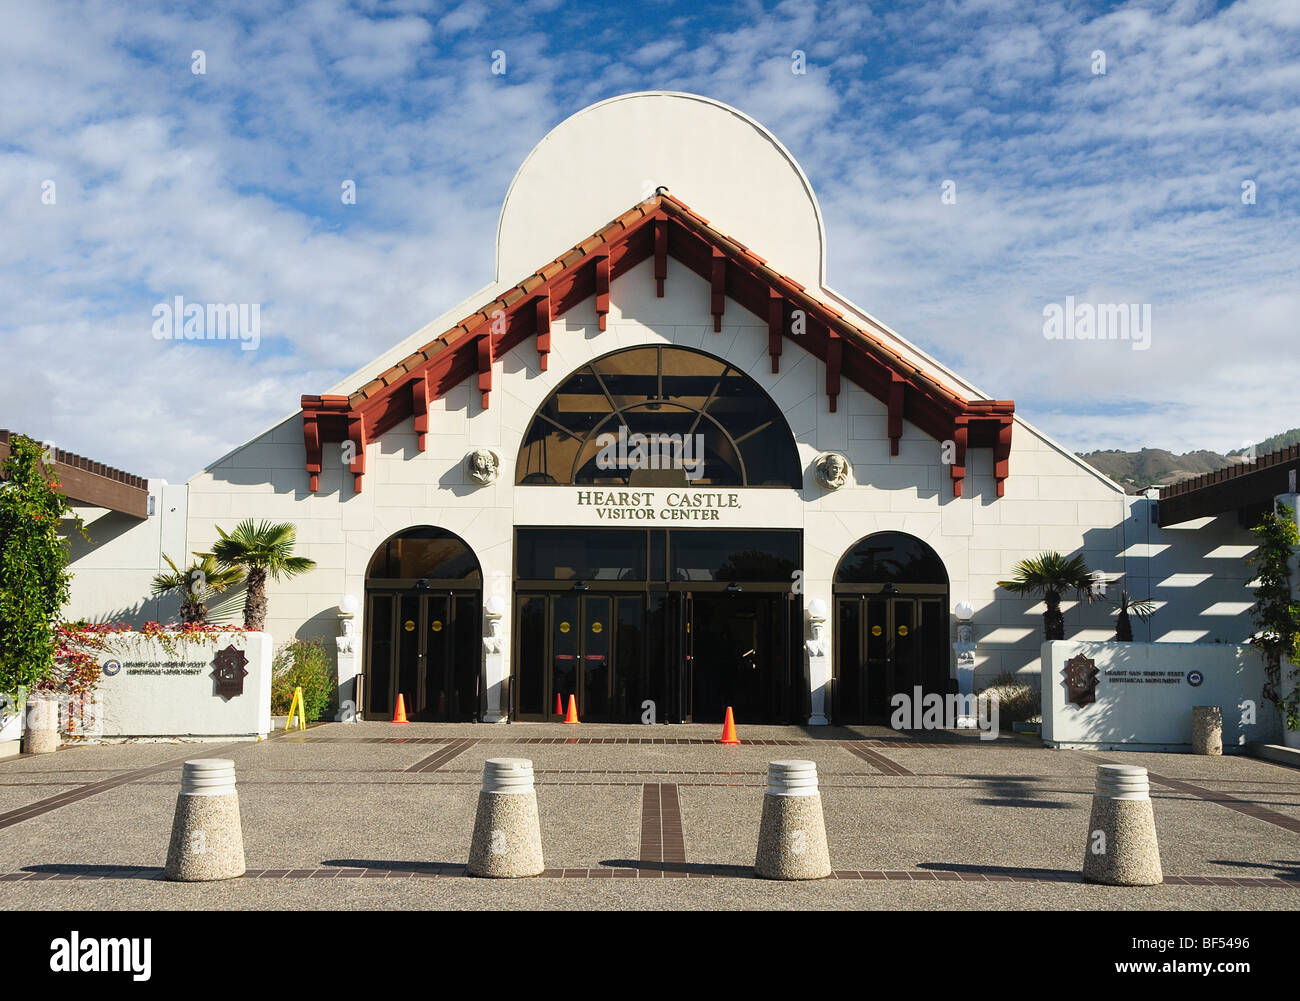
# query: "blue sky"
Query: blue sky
{"points": [[1122, 187]]}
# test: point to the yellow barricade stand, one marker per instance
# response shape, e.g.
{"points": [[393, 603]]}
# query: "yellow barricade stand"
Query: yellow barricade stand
{"points": [[296, 706]]}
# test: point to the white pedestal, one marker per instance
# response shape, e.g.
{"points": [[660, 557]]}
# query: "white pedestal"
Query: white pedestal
{"points": [[966, 681], [349, 661], [494, 673]]}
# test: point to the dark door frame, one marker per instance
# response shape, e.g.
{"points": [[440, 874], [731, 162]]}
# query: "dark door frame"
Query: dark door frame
{"points": [[918, 596], [422, 628]]}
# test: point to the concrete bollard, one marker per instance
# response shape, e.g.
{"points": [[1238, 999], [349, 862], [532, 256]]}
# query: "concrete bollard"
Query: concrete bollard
{"points": [[207, 839], [40, 725], [792, 833], [1122, 848], [1207, 730], [507, 841]]}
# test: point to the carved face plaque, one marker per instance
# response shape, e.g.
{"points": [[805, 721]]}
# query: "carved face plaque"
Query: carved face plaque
{"points": [[229, 671], [832, 470], [1081, 679], [482, 466]]}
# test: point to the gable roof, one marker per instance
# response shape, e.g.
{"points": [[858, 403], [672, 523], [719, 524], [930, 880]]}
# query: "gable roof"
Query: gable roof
{"points": [[660, 227]]}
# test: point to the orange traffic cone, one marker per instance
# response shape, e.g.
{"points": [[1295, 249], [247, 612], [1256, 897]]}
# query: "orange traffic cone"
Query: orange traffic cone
{"points": [[729, 730], [573, 711], [400, 715], [559, 705]]}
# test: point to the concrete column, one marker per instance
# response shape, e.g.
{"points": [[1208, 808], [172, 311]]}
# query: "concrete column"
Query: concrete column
{"points": [[507, 840], [792, 833], [41, 732], [1207, 730], [207, 840], [1122, 848]]}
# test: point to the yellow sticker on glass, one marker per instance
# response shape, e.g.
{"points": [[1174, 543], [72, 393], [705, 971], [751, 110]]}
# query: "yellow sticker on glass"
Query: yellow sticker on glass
{"points": [[596, 627], [902, 630], [876, 630], [564, 627], [437, 625], [409, 626]]}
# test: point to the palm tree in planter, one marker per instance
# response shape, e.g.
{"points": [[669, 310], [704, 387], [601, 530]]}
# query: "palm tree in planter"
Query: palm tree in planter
{"points": [[1127, 605], [260, 550], [198, 582], [1049, 576]]}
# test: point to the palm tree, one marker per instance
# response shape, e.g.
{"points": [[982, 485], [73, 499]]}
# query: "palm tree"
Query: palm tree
{"points": [[198, 582], [261, 550], [1050, 575], [1126, 604]]}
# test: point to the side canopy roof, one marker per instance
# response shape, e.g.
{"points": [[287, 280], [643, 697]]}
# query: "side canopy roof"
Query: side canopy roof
{"points": [[662, 227]]}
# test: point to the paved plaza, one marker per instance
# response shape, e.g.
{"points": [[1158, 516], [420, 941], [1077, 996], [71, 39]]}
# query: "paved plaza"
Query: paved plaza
{"points": [[377, 815]]}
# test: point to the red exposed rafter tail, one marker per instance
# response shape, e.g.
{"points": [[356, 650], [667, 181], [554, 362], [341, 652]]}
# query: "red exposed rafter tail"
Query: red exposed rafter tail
{"points": [[485, 365], [311, 439], [420, 407], [543, 330], [775, 326], [960, 435], [661, 254], [897, 400], [1002, 455], [718, 288], [602, 290], [834, 359], [359, 437]]}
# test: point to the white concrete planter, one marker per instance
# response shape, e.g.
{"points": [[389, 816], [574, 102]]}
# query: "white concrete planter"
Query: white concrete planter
{"points": [[11, 726]]}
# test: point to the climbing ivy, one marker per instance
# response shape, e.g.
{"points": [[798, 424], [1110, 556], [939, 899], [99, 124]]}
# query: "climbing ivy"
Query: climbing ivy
{"points": [[34, 577]]}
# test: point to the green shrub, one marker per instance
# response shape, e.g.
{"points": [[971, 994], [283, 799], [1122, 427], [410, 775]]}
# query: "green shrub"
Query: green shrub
{"points": [[305, 664], [1017, 701]]}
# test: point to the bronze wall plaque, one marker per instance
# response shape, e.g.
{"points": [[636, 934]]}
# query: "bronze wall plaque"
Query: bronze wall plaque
{"points": [[1081, 677], [229, 672]]}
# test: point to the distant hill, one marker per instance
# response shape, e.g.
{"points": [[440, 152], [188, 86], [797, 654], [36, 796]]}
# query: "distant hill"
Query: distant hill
{"points": [[1158, 467]]}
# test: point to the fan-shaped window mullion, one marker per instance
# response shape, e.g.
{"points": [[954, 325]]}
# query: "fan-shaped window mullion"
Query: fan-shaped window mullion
{"points": [[744, 476], [593, 433]]}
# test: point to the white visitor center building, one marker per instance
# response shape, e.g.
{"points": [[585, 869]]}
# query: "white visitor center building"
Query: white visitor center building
{"points": [[657, 459]]}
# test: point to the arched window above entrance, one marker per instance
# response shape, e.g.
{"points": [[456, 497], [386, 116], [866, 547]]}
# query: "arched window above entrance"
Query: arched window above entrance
{"points": [[891, 558], [425, 553], [659, 416]]}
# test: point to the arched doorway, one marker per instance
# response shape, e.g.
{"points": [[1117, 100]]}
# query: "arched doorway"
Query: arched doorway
{"points": [[424, 591], [891, 626], [681, 614]]}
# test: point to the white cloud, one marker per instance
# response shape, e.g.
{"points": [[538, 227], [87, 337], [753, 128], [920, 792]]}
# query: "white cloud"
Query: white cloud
{"points": [[225, 187]]}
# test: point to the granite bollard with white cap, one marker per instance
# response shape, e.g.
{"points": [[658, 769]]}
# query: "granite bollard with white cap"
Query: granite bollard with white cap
{"points": [[507, 839], [792, 833], [207, 839], [1122, 848], [1207, 730], [41, 729]]}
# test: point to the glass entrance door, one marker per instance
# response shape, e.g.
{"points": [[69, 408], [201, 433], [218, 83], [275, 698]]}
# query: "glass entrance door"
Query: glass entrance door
{"points": [[590, 646], [741, 657], [425, 647], [885, 646]]}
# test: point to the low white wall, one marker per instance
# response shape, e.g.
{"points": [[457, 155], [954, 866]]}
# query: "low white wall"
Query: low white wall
{"points": [[1146, 691], [148, 692]]}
